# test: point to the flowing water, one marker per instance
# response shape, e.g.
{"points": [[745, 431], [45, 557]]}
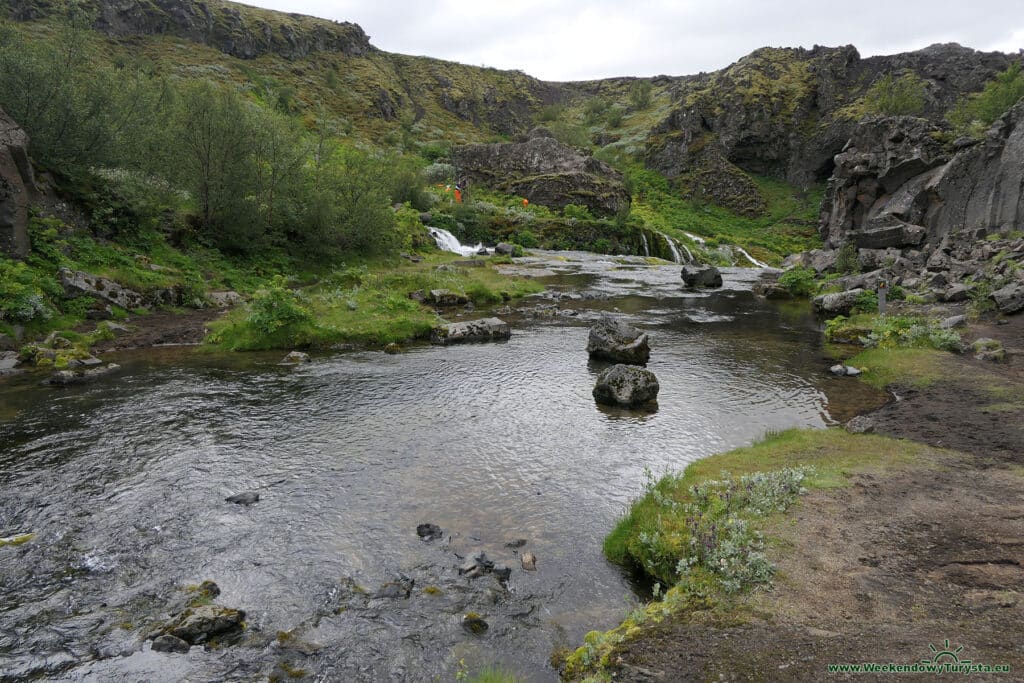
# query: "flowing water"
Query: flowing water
{"points": [[123, 482], [448, 242]]}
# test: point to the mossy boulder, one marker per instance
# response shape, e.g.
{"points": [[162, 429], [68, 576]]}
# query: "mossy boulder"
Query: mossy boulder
{"points": [[626, 385]]}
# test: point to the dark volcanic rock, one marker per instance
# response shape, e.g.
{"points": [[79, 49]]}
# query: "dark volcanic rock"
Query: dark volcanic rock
{"points": [[700, 276], [169, 643], [546, 172], [619, 342], [1009, 299], [77, 283], [429, 532], [840, 303], [245, 498], [626, 385], [17, 188], [198, 624]]}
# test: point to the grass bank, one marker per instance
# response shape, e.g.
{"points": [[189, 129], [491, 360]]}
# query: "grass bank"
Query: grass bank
{"points": [[366, 305], [707, 536]]}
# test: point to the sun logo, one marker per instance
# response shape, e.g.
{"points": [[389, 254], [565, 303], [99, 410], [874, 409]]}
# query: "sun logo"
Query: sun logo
{"points": [[945, 655]]}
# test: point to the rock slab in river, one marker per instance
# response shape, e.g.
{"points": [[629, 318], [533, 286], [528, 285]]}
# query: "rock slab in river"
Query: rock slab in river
{"points": [[626, 385], [618, 341], [486, 329]]}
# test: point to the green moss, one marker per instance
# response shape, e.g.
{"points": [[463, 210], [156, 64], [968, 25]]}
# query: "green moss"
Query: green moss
{"points": [[433, 590], [17, 539]]}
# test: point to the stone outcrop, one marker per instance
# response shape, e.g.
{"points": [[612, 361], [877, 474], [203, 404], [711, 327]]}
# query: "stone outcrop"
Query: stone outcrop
{"points": [[77, 283], [626, 385], [619, 342], [17, 188], [840, 303], [546, 172], [487, 329]]}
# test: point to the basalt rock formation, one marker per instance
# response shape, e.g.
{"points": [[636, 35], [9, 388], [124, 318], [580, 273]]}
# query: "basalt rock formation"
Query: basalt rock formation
{"points": [[17, 188]]}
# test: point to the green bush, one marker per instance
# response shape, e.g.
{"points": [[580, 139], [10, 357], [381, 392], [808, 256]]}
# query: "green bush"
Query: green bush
{"points": [[527, 239], [905, 95], [578, 212], [867, 302], [277, 308], [847, 260], [614, 117], [640, 94], [550, 112], [21, 298], [799, 281], [595, 108]]}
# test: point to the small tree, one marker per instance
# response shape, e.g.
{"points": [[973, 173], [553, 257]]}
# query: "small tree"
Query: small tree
{"points": [[974, 113], [640, 95]]}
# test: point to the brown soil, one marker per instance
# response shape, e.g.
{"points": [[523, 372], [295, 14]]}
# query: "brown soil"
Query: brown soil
{"points": [[881, 570], [161, 328]]}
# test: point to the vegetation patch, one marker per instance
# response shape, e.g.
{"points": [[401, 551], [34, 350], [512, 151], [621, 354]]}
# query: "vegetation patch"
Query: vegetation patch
{"points": [[709, 536]]}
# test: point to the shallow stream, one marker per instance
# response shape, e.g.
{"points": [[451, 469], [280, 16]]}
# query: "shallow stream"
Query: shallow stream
{"points": [[123, 482]]}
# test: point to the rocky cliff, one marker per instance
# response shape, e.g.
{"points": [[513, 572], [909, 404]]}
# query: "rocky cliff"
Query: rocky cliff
{"points": [[941, 219], [546, 172], [17, 188], [236, 30], [787, 112]]}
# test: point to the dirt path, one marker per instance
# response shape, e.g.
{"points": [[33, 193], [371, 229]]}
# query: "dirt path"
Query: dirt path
{"points": [[161, 328], [898, 562]]}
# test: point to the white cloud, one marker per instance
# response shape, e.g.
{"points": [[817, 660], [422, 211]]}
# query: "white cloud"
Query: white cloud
{"points": [[575, 40]]}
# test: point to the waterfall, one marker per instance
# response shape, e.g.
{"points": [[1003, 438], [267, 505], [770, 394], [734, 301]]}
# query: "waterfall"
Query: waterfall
{"points": [[676, 256], [699, 240], [757, 264], [449, 242], [643, 239]]}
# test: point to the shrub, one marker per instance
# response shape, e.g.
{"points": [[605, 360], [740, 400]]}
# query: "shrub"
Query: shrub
{"points": [[614, 117], [527, 239], [594, 108], [21, 299], [577, 211], [277, 308], [640, 94], [891, 96], [847, 260], [799, 281], [975, 113], [867, 302], [550, 112]]}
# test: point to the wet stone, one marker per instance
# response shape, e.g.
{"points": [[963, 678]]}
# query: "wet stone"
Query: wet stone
{"points": [[246, 498], [529, 561], [429, 532], [169, 643], [473, 623]]}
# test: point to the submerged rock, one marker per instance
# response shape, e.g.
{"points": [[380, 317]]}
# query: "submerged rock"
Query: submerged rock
{"points": [[429, 532], [198, 624], [246, 498], [169, 643], [617, 341], [626, 385], [701, 276], [487, 329], [295, 358], [474, 624], [63, 378], [529, 562]]}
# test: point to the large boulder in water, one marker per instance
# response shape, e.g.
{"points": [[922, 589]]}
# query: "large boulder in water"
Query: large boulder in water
{"points": [[626, 385], [701, 275], [619, 342]]}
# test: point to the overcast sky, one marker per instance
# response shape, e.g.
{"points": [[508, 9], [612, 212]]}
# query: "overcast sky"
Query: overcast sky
{"points": [[584, 39]]}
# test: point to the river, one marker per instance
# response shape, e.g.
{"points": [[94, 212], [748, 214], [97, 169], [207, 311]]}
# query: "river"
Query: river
{"points": [[123, 482]]}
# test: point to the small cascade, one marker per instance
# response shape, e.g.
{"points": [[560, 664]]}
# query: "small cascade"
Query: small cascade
{"points": [[643, 240], [676, 256], [449, 242], [689, 254], [696, 238], [757, 264]]}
